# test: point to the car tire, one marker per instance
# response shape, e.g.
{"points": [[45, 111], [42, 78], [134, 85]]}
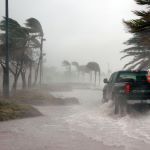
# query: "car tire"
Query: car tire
{"points": [[123, 106], [117, 105], [128, 107], [104, 99], [120, 105]]}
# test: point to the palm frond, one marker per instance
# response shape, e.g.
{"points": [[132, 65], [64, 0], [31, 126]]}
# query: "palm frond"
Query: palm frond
{"points": [[135, 65], [34, 26], [143, 2]]}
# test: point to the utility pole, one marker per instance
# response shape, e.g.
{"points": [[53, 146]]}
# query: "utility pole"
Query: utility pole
{"points": [[6, 70]]}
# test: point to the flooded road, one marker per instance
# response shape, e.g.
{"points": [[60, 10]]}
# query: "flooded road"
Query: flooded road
{"points": [[96, 120], [89, 125]]}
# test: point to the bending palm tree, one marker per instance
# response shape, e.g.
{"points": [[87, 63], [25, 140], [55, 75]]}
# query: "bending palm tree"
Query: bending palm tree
{"points": [[17, 45], [37, 32], [67, 65], [140, 42], [93, 66]]}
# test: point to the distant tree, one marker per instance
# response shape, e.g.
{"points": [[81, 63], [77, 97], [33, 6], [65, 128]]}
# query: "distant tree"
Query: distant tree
{"points": [[76, 64], [82, 69], [93, 66], [67, 65]]}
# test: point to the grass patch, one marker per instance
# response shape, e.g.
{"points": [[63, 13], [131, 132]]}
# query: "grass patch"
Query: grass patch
{"points": [[19, 105], [32, 97], [40, 97], [9, 110]]}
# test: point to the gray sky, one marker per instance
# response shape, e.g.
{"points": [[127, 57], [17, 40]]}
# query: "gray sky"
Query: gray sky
{"points": [[78, 30]]}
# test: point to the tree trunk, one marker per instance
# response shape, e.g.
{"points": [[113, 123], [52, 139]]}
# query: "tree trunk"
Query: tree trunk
{"points": [[30, 76], [23, 75], [91, 76], [99, 77], [70, 75], [83, 76], [4, 81], [14, 86], [41, 60], [79, 73], [36, 73], [95, 76]]}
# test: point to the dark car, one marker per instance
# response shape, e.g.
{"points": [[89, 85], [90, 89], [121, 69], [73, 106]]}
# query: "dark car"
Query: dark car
{"points": [[127, 87]]}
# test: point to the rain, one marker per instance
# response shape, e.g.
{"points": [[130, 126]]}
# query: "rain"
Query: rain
{"points": [[57, 58]]}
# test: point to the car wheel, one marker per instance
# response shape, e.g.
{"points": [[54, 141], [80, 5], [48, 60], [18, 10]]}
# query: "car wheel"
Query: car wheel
{"points": [[120, 104], [128, 107], [123, 106], [117, 105], [104, 99]]}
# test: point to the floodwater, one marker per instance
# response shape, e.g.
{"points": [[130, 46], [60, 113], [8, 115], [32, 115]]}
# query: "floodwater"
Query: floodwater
{"points": [[89, 125], [96, 120]]}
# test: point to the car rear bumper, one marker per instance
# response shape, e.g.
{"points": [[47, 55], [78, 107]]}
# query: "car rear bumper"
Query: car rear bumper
{"points": [[138, 101]]}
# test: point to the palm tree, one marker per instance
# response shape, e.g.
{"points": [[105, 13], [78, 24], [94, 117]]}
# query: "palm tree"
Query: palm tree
{"points": [[81, 69], [139, 44], [93, 66], [17, 45], [21, 44], [67, 65], [143, 2], [76, 64], [37, 34]]}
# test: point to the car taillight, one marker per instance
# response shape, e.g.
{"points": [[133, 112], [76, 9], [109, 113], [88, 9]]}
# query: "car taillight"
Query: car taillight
{"points": [[148, 78], [127, 88]]}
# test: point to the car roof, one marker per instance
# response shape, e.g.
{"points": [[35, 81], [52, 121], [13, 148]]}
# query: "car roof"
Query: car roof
{"points": [[122, 71]]}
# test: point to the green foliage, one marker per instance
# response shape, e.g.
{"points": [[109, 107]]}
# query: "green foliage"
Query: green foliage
{"points": [[75, 63], [24, 45], [139, 44], [18, 36], [66, 63], [143, 2], [34, 26], [93, 66]]}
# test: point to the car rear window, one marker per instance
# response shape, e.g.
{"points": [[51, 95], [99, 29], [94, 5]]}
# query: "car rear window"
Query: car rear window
{"points": [[133, 76]]}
